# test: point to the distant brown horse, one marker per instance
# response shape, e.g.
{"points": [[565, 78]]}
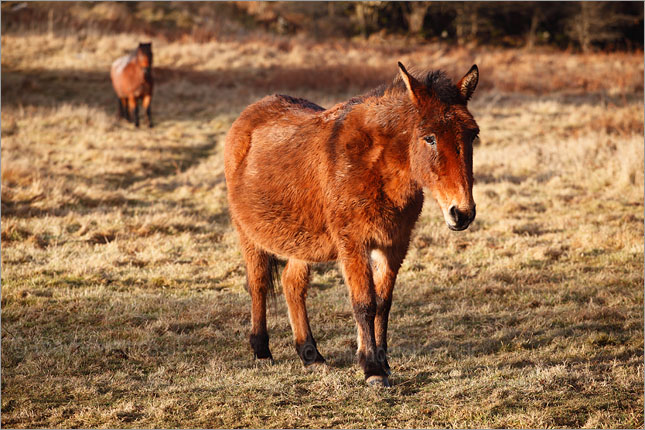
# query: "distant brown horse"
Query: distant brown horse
{"points": [[132, 80], [310, 185]]}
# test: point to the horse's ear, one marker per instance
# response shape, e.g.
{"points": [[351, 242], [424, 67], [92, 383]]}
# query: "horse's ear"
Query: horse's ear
{"points": [[468, 83], [411, 84]]}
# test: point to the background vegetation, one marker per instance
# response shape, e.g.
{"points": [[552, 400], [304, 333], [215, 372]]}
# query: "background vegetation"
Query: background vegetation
{"points": [[123, 302], [582, 26]]}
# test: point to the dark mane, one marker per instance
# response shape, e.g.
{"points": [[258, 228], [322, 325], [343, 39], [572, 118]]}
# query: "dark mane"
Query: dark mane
{"points": [[443, 87], [146, 48], [437, 83], [132, 54]]}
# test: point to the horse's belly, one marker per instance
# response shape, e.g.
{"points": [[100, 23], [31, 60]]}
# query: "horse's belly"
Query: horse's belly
{"points": [[287, 230], [301, 245], [291, 241]]}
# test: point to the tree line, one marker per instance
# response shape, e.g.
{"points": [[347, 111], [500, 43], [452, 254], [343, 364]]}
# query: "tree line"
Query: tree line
{"points": [[584, 26], [579, 25]]}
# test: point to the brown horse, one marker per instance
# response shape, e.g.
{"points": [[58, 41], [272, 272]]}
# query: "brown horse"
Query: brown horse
{"points": [[132, 81], [311, 185]]}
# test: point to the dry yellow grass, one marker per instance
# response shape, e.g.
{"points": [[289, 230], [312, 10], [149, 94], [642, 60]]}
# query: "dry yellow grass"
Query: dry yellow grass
{"points": [[123, 302]]}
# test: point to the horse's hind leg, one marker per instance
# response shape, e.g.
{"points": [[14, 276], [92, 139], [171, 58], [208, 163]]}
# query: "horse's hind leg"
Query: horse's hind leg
{"points": [[295, 280], [259, 280], [146, 105]]}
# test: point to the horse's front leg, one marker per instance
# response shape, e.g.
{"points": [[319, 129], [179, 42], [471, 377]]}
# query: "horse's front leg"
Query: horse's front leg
{"points": [[146, 103], [358, 275], [123, 108], [133, 108], [120, 113], [385, 266]]}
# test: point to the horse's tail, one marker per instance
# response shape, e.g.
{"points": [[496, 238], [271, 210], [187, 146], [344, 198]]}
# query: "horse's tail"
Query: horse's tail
{"points": [[272, 277]]}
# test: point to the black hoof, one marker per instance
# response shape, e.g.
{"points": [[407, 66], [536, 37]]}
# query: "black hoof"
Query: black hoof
{"points": [[308, 353], [387, 369], [260, 345], [371, 366], [381, 357]]}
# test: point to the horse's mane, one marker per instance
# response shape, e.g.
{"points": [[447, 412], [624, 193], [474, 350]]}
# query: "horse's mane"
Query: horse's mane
{"points": [[134, 52], [436, 81], [437, 84], [127, 58]]}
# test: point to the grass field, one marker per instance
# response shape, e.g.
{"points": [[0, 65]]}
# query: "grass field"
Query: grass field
{"points": [[123, 300]]}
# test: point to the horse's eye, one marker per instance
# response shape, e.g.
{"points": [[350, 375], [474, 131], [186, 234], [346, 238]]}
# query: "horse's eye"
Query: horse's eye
{"points": [[431, 140], [458, 150]]}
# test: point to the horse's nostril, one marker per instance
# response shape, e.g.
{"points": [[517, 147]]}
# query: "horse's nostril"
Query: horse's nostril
{"points": [[454, 213], [459, 218]]}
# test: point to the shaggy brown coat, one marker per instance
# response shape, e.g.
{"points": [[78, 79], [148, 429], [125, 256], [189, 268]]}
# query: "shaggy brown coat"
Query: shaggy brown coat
{"points": [[132, 81], [307, 185]]}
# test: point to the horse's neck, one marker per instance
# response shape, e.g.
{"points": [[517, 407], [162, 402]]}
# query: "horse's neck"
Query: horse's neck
{"points": [[392, 115], [389, 123]]}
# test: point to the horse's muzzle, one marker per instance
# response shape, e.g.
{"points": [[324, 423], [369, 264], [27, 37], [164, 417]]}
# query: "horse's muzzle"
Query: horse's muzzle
{"points": [[460, 220]]}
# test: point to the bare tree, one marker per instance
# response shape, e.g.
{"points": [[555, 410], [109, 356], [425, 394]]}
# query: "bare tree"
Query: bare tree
{"points": [[536, 17], [415, 15], [467, 21], [367, 13], [594, 22]]}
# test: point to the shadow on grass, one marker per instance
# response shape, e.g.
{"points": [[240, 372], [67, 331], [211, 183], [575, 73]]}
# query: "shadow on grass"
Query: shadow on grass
{"points": [[176, 160], [468, 340], [26, 208], [51, 88]]}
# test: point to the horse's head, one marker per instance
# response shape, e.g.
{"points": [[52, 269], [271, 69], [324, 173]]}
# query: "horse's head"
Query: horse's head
{"points": [[144, 55], [441, 151]]}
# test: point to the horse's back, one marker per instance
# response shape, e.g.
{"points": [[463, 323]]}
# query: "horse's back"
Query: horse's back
{"points": [[266, 122]]}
